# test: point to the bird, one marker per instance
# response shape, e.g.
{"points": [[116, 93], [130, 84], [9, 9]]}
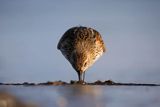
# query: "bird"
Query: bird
{"points": [[81, 46]]}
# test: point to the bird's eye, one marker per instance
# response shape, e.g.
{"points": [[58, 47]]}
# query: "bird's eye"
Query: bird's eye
{"points": [[85, 63]]}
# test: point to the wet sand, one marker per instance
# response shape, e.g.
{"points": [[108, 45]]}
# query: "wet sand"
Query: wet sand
{"points": [[72, 82]]}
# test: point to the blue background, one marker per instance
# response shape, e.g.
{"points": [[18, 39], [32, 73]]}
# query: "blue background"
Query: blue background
{"points": [[31, 29]]}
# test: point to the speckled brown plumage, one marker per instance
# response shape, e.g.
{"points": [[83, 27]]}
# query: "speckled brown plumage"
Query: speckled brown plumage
{"points": [[81, 46]]}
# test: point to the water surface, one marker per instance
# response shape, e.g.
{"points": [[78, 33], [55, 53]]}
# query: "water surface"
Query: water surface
{"points": [[85, 96]]}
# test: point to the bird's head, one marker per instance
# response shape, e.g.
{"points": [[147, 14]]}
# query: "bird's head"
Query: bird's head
{"points": [[80, 60]]}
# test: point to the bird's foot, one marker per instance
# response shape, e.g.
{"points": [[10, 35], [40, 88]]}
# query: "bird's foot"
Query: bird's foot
{"points": [[81, 82], [77, 82]]}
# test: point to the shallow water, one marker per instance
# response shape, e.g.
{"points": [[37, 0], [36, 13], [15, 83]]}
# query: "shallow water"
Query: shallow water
{"points": [[85, 96]]}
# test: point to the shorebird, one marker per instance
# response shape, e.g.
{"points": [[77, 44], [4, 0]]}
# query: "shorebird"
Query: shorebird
{"points": [[81, 46]]}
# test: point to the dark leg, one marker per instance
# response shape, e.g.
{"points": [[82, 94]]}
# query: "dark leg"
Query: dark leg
{"points": [[80, 76], [83, 76]]}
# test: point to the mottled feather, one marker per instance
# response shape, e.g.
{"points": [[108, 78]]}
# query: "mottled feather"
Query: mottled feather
{"points": [[80, 45]]}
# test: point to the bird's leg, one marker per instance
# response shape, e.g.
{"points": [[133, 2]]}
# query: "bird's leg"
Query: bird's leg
{"points": [[80, 76], [83, 76], [81, 80]]}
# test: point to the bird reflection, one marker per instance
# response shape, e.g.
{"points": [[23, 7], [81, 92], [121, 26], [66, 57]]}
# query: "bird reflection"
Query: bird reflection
{"points": [[80, 96]]}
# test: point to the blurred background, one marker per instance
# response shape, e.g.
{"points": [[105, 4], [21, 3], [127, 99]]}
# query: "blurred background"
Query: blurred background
{"points": [[31, 29]]}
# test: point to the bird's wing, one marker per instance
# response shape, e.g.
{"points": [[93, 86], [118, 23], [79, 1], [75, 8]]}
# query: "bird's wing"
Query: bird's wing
{"points": [[68, 36], [99, 48], [66, 43], [100, 42]]}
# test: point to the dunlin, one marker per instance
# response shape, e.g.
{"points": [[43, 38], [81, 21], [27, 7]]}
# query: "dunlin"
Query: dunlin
{"points": [[81, 46]]}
